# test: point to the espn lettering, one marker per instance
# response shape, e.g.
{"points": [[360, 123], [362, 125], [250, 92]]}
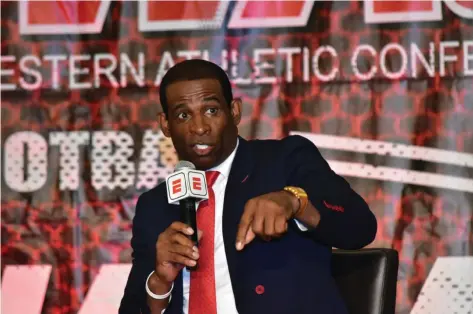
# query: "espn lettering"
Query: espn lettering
{"points": [[377, 11], [62, 17], [186, 183], [176, 15], [196, 183], [270, 14], [87, 17], [180, 15], [177, 186]]}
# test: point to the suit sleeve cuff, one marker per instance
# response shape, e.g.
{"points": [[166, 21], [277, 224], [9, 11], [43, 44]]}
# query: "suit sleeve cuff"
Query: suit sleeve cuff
{"points": [[323, 229]]}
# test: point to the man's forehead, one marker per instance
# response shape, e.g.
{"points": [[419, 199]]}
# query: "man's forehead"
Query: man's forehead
{"points": [[184, 86], [198, 88]]}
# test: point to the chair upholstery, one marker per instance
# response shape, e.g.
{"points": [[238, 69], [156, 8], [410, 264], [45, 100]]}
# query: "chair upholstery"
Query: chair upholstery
{"points": [[367, 279]]}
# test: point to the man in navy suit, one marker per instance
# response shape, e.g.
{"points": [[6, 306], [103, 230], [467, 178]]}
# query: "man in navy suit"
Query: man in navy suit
{"points": [[275, 211]]}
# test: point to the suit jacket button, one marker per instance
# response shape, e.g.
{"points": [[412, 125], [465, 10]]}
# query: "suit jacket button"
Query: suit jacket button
{"points": [[259, 289]]}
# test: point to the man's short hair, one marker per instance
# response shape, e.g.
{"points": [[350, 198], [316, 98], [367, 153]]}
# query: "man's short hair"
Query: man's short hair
{"points": [[194, 69]]}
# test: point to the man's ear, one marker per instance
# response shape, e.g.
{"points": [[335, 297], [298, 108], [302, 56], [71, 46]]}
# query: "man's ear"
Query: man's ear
{"points": [[235, 110], [163, 122]]}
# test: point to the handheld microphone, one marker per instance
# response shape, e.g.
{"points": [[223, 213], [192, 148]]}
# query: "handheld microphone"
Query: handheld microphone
{"points": [[185, 186]]}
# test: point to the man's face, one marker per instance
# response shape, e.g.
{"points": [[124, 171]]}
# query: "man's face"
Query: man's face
{"points": [[202, 126]]}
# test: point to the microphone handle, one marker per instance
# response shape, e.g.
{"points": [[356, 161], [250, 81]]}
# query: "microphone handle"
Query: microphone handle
{"points": [[188, 216]]}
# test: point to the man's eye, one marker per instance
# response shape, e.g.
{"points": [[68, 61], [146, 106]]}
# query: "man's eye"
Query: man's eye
{"points": [[183, 116], [212, 110]]}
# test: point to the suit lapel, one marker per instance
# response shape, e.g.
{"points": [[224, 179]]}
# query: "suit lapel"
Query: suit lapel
{"points": [[234, 205]]}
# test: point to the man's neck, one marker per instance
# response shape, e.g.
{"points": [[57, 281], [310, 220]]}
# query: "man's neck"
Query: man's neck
{"points": [[225, 165]]}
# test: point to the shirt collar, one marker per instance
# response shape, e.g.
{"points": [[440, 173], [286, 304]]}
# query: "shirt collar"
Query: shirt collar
{"points": [[226, 165]]}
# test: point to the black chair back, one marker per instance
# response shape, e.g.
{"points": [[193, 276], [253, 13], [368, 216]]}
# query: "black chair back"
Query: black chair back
{"points": [[367, 279]]}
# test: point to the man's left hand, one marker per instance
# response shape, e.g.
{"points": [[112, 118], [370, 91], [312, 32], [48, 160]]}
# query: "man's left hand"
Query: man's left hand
{"points": [[266, 216]]}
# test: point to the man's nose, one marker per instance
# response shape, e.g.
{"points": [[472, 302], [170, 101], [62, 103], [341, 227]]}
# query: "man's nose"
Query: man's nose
{"points": [[200, 125]]}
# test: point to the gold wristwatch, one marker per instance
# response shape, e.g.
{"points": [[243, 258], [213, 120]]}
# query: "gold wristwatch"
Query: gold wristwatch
{"points": [[301, 196]]}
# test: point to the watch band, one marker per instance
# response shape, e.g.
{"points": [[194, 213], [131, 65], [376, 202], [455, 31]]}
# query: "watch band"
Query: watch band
{"points": [[301, 196]]}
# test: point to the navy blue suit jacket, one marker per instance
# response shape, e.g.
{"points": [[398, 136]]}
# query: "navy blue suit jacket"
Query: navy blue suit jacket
{"points": [[295, 269]]}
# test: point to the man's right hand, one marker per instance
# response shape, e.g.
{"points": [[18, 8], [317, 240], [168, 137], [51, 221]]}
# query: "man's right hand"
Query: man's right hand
{"points": [[174, 251]]}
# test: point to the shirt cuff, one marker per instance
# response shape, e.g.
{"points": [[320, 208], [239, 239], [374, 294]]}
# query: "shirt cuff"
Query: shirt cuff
{"points": [[300, 225], [164, 310]]}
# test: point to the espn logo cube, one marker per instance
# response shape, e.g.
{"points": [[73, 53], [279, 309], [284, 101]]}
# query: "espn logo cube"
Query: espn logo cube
{"points": [[186, 183]]}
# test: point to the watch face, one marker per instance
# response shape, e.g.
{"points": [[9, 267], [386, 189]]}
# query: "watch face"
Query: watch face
{"points": [[298, 192]]}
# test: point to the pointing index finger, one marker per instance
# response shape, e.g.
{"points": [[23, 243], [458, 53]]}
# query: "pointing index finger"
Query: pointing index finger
{"points": [[244, 226]]}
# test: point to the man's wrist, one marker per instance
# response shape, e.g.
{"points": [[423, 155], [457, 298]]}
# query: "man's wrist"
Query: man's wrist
{"points": [[158, 286], [295, 203], [298, 200]]}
